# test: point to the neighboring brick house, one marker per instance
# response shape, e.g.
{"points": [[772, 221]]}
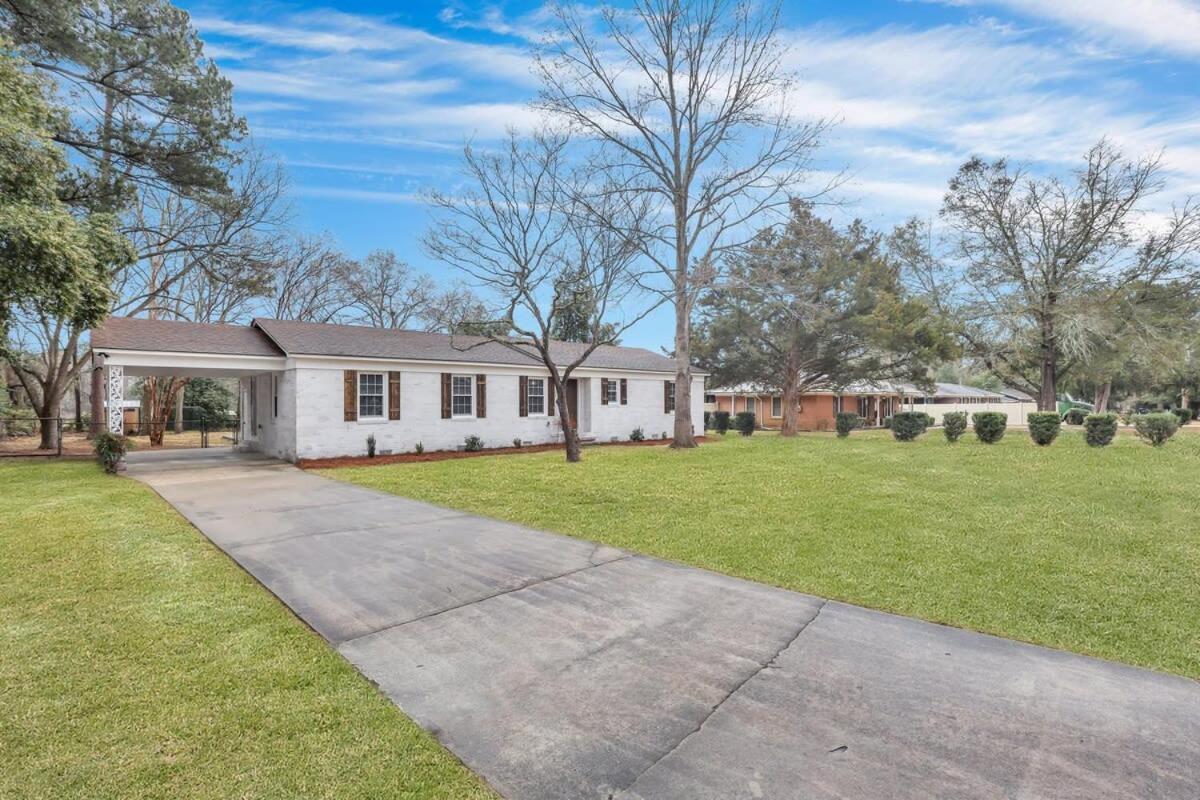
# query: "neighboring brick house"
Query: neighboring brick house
{"points": [[312, 390]]}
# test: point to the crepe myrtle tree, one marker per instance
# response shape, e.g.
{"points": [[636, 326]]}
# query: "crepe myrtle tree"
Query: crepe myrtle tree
{"points": [[520, 234], [688, 103]]}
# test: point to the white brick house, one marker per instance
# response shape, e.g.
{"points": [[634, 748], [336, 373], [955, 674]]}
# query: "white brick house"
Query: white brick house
{"points": [[310, 390]]}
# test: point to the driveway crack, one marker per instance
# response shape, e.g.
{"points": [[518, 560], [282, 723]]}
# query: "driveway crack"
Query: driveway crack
{"points": [[736, 688]]}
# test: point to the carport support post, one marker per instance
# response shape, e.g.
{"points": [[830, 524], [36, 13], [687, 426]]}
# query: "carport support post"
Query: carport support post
{"points": [[114, 382]]}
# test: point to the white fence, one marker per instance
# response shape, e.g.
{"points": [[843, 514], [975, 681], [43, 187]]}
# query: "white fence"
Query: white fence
{"points": [[1018, 413]]}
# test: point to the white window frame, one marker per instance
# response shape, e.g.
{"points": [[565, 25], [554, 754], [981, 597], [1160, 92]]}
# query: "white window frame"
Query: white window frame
{"points": [[776, 403], [673, 394], [274, 396], [529, 395], [613, 392], [470, 379], [382, 395]]}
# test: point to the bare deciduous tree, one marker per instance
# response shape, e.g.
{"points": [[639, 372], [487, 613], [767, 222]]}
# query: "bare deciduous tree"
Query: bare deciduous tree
{"points": [[689, 101], [518, 233], [309, 281], [385, 293], [1047, 264]]}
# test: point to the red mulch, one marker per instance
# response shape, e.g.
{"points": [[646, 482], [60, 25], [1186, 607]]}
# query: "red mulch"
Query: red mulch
{"points": [[443, 455]]}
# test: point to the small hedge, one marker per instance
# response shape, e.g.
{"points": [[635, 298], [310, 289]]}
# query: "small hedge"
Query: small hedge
{"points": [[637, 435], [1184, 414], [954, 424], [1100, 429], [720, 421], [744, 422], [1044, 427], [1074, 416], [908, 425], [1156, 428], [989, 425], [846, 421]]}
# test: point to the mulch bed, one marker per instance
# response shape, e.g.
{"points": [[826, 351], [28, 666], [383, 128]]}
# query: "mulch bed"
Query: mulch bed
{"points": [[445, 455]]}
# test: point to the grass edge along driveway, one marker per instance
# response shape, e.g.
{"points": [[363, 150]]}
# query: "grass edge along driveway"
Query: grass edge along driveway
{"points": [[1091, 550], [138, 661]]}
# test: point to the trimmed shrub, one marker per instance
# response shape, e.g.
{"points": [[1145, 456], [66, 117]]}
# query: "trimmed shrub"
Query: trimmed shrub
{"points": [[517, 442], [707, 420], [954, 424], [908, 425], [420, 448], [1074, 416], [744, 422], [846, 421], [887, 422], [1044, 427], [989, 425], [721, 422], [472, 444], [1100, 429], [637, 435], [1156, 428], [110, 448], [371, 446], [927, 418], [1184, 414]]}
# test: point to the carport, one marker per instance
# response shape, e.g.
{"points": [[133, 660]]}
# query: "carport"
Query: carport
{"points": [[138, 348]]}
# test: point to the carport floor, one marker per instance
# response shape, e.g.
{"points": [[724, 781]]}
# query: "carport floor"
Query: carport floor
{"points": [[557, 668]]}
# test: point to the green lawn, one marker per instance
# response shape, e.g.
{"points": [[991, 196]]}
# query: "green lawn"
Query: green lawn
{"points": [[138, 661], [1091, 550]]}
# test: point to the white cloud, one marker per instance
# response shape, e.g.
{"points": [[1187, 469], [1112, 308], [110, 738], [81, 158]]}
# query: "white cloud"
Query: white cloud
{"points": [[1171, 25]]}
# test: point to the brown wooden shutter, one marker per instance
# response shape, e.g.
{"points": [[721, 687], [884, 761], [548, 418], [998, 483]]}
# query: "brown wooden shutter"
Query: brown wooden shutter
{"points": [[624, 392], [350, 395], [604, 391], [481, 396], [667, 397], [445, 395], [523, 396], [393, 395]]}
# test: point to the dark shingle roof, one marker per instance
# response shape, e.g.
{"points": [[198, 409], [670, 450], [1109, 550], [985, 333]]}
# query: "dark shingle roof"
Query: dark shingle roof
{"points": [[273, 337], [131, 333], [354, 341]]}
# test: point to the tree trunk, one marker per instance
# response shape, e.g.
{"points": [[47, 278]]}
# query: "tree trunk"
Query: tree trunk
{"points": [[48, 410], [791, 405], [684, 435], [1185, 397], [78, 405], [570, 435], [1103, 391], [99, 392], [1048, 391]]}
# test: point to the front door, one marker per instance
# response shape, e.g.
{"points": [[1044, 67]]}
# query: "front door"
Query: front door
{"points": [[573, 403]]}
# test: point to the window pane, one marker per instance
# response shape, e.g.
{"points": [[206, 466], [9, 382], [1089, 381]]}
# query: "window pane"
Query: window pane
{"points": [[461, 397], [611, 395], [536, 399], [370, 394]]}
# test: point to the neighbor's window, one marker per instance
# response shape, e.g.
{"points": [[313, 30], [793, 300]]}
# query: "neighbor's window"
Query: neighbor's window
{"points": [[776, 407], [610, 392], [535, 395], [750, 405], [462, 396], [370, 394], [710, 398]]}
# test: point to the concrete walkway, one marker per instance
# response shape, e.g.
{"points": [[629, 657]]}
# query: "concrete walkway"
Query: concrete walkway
{"points": [[558, 669]]}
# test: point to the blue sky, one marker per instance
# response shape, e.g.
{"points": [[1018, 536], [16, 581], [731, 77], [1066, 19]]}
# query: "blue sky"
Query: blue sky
{"points": [[367, 103]]}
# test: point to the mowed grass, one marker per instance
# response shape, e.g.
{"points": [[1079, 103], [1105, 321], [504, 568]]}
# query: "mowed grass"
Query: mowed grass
{"points": [[1091, 550], [138, 661]]}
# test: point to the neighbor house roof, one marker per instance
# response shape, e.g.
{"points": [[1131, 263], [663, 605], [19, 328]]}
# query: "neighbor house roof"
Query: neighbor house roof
{"points": [[172, 336], [273, 337]]}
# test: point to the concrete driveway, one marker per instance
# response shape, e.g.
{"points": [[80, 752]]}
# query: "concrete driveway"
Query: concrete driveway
{"points": [[557, 668]]}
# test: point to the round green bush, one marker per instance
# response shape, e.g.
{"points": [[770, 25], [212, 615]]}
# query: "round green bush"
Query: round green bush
{"points": [[954, 424], [846, 421], [1074, 416], [1044, 426], [744, 422], [721, 421], [1100, 429], [908, 425], [989, 425], [1184, 414], [1156, 428]]}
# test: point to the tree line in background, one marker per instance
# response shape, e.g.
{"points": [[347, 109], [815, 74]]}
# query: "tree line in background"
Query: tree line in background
{"points": [[670, 171]]}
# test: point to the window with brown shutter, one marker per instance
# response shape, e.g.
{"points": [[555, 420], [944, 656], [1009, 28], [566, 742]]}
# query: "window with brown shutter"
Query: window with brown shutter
{"points": [[624, 392], [445, 395], [393, 395], [604, 391], [523, 396], [350, 395], [481, 396]]}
